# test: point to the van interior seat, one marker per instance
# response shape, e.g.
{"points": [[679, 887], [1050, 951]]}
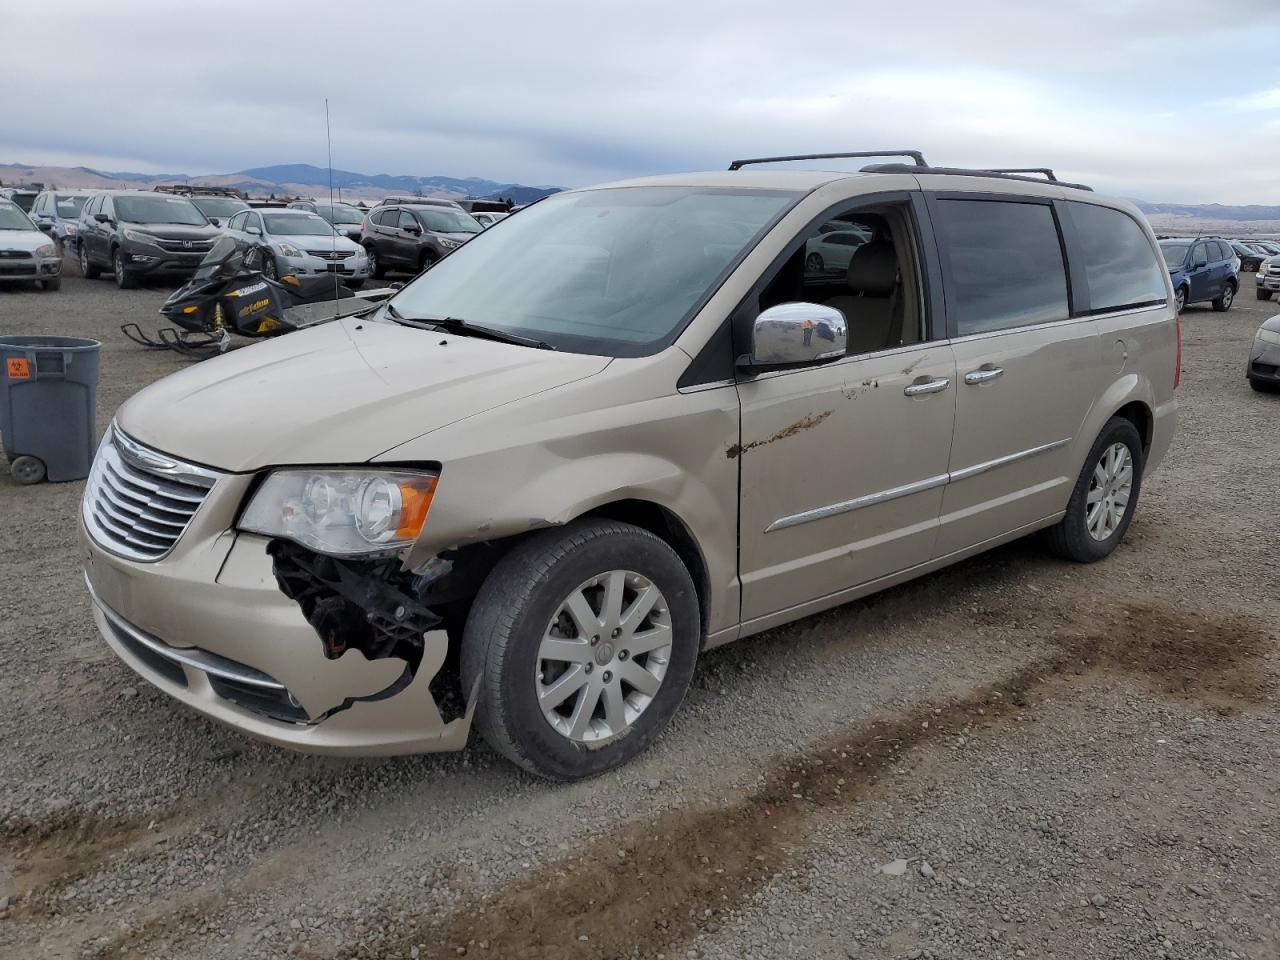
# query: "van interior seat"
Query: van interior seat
{"points": [[872, 308]]}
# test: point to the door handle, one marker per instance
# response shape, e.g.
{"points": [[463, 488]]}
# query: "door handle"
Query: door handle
{"points": [[983, 375], [927, 387]]}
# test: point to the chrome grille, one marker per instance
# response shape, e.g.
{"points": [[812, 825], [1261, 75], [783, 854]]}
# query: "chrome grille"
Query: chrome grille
{"points": [[15, 255], [331, 254], [138, 502], [193, 246]]}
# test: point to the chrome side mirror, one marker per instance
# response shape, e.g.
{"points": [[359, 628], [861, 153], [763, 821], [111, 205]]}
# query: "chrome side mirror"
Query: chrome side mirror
{"points": [[797, 333]]}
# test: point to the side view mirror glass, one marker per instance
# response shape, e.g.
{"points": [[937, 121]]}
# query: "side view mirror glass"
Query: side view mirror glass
{"points": [[253, 230], [102, 218], [797, 333], [1201, 263], [45, 226]]}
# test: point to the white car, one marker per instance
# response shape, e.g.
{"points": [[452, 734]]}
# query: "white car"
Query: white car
{"points": [[26, 253], [302, 243], [487, 218], [832, 249]]}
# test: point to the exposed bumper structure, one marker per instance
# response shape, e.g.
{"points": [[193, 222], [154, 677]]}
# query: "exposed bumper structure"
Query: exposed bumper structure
{"points": [[209, 626]]}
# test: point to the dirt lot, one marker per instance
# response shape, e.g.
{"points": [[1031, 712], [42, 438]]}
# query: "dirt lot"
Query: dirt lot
{"points": [[1015, 757]]}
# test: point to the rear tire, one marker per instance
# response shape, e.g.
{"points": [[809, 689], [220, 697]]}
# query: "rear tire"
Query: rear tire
{"points": [[521, 608], [1222, 303], [1075, 536], [1264, 294], [87, 269]]}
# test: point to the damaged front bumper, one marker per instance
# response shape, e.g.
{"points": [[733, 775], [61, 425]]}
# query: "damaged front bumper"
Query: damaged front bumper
{"points": [[209, 625]]}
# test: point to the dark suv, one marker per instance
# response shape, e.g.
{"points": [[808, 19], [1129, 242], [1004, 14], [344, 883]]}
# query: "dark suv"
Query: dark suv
{"points": [[1202, 268], [134, 233], [414, 236]]}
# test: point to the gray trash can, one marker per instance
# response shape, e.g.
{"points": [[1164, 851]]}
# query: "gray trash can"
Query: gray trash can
{"points": [[48, 395]]}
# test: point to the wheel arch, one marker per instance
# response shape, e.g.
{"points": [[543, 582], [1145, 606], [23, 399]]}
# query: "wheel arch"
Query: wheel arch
{"points": [[1139, 414]]}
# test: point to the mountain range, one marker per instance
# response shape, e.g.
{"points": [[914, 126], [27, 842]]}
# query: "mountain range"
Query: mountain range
{"points": [[289, 179]]}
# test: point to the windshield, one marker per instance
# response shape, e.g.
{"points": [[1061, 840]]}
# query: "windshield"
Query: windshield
{"points": [[616, 272], [1174, 253], [223, 259], [340, 214], [445, 220], [12, 218], [297, 225], [219, 206], [69, 206], [158, 209]]}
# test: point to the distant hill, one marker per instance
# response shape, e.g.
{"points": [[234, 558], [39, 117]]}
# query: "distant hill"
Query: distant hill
{"points": [[1211, 211], [289, 179]]}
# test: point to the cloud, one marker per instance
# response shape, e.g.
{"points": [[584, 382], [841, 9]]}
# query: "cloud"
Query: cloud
{"points": [[570, 93]]}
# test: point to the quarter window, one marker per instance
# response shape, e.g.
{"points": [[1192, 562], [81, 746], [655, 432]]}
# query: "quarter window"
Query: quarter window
{"points": [[1005, 264], [1120, 267]]}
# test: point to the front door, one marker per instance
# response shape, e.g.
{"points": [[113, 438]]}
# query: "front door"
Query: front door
{"points": [[1200, 275], [842, 466], [1027, 372]]}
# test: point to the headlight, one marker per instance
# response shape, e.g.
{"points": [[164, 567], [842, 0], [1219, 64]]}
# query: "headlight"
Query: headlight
{"points": [[137, 236], [342, 512], [449, 244], [289, 250], [69, 227], [47, 250], [1269, 336]]}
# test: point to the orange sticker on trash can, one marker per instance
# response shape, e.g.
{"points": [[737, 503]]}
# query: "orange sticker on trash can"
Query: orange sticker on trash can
{"points": [[18, 368]]}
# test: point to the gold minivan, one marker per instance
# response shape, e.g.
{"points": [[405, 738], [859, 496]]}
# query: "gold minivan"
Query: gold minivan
{"points": [[622, 426]]}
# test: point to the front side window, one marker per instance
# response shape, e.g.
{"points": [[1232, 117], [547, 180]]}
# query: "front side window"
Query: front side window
{"points": [[862, 263], [1200, 254], [159, 209], [407, 222], [615, 272], [1119, 266], [1005, 264]]}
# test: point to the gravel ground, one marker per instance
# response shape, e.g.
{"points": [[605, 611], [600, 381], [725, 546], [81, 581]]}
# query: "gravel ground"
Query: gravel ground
{"points": [[1014, 757]]}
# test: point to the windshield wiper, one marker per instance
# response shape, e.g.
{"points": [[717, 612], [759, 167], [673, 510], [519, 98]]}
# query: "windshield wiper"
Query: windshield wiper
{"points": [[463, 328]]}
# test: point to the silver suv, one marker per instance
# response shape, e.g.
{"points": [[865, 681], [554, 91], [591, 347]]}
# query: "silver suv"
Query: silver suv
{"points": [[637, 422]]}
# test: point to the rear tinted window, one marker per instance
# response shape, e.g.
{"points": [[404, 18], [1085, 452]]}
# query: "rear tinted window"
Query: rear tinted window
{"points": [[1006, 267], [1119, 266]]}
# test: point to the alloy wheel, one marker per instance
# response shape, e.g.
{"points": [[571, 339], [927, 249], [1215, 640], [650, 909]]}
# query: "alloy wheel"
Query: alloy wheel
{"points": [[1228, 295], [1180, 299], [117, 263], [84, 262], [603, 656], [1109, 490]]}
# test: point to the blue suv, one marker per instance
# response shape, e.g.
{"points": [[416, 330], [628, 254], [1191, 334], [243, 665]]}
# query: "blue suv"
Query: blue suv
{"points": [[1202, 268]]}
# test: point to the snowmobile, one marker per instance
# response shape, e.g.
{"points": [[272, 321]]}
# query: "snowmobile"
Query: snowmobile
{"points": [[229, 294]]}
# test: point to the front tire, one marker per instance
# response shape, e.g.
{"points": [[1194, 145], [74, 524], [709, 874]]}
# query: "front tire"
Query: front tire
{"points": [[814, 263], [1263, 386], [1104, 497], [1264, 294], [583, 641], [270, 270], [87, 269], [1180, 299], [124, 279], [1222, 303]]}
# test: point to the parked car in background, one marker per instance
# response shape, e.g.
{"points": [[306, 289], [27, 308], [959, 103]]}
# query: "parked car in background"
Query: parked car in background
{"points": [[621, 430], [1267, 279], [421, 201], [1264, 358], [414, 236], [57, 213], [346, 218], [1269, 247], [26, 253], [487, 218], [137, 233], [831, 249], [1250, 254], [302, 243], [1200, 269], [21, 197], [219, 210]]}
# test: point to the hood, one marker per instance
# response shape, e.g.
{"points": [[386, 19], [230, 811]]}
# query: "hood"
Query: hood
{"points": [[174, 231], [339, 393], [460, 237], [316, 242], [28, 240], [1272, 324]]}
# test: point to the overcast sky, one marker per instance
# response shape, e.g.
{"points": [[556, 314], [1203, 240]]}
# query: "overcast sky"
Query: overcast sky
{"points": [[1165, 100]]}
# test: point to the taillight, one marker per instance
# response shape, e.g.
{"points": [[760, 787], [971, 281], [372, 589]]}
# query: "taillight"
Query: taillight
{"points": [[1177, 363]]}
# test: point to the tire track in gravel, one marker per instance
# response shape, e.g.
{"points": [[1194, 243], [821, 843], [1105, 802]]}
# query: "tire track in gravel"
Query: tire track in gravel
{"points": [[653, 884]]}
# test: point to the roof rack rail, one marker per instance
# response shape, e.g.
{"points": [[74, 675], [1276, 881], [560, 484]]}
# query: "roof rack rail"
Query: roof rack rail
{"points": [[1045, 171], [915, 155], [1007, 174]]}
